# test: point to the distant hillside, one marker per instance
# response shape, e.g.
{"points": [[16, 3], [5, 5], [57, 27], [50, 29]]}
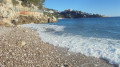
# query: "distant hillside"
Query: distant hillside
{"points": [[69, 13]]}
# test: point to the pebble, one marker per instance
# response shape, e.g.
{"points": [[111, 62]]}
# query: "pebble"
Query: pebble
{"points": [[25, 31], [21, 43]]}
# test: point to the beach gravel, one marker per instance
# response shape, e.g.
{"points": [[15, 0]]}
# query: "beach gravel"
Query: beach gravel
{"points": [[22, 47]]}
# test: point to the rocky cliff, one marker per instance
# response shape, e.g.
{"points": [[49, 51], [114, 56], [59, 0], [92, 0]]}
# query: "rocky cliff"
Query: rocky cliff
{"points": [[17, 14]]}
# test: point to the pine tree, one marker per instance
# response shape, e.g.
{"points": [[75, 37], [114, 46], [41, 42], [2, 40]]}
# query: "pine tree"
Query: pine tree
{"points": [[35, 2]]}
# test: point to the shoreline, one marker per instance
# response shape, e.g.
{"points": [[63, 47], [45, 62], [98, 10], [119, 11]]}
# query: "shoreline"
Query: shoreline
{"points": [[23, 47]]}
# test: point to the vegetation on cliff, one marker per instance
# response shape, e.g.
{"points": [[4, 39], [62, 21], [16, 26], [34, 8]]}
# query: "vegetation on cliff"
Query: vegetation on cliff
{"points": [[15, 2], [38, 3]]}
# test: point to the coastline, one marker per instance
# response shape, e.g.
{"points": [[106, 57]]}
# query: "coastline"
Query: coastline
{"points": [[23, 47]]}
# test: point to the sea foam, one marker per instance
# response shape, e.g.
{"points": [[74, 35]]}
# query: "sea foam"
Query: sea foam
{"points": [[108, 49]]}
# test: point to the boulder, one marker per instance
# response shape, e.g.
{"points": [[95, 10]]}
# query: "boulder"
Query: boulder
{"points": [[53, 19], [5, 23]]}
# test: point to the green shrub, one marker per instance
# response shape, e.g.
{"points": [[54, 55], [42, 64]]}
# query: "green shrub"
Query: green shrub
{"points": [[15, 2], [38, 3], [1, 1]]}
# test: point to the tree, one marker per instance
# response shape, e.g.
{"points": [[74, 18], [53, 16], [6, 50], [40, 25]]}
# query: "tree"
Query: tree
{"points": [[38, 3]]}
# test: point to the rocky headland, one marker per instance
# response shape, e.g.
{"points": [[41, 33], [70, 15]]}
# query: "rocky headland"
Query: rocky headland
{"points": [[11, 14], [70, 13]]}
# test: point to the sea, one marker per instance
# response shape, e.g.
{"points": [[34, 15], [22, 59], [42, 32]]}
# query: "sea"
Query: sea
{"points": [[96, 37]]}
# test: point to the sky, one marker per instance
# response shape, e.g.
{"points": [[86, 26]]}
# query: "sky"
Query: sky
{"points": [[103, 7]]}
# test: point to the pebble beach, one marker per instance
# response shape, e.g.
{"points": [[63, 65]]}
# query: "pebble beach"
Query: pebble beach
{"points": [[22, 47]]}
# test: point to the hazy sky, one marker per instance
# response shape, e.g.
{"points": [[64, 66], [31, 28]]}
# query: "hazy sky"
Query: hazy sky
{"points": [[104, 7]]}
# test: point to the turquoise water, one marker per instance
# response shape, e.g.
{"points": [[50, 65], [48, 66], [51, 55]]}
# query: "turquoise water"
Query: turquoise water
{"points": [[97, 37]]}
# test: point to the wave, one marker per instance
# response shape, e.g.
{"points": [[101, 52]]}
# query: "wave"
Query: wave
{"points": [[106, 48]]}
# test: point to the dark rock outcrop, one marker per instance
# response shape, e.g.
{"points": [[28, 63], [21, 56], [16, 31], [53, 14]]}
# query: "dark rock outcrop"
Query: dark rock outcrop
{"points": [[30, 19], [78, 14]]}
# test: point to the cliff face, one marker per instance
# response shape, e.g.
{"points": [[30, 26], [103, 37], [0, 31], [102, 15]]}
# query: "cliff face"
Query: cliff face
{"points": [[6, 13], [22, 19], [13, 15]]}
